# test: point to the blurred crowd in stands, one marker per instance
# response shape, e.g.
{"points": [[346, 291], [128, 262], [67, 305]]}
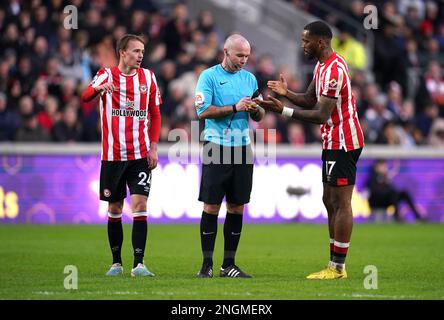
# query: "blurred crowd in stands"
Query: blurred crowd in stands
{"points": [[44, 67]]}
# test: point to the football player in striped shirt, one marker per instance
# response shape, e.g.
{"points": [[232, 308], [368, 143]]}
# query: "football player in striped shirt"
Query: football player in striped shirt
{"points": [[333, 107], [130, 120]]}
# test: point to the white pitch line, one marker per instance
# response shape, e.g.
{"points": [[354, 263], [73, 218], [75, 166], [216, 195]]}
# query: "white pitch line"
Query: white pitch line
{"points": [[43, 292], [359, 295], [86, 292], [161, 293], [170, 293]]}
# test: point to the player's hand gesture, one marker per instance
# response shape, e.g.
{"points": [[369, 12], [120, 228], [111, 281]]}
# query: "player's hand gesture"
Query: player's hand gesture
{"points": [[152, 156], [271, 105], [105, 88], [280, 87]]}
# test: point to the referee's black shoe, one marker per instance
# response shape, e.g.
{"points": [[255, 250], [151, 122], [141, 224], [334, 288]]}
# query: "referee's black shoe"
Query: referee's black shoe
{"points": [[206, 271], [233, 272]]}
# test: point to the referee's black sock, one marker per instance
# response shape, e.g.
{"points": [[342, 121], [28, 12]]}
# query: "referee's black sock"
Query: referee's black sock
{"points": [[208, 232], [140, 230], [115, 237], [232, 233]]}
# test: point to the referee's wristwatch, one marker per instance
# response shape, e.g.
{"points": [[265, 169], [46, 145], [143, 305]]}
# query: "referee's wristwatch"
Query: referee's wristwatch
{"points": [[234, 108]]}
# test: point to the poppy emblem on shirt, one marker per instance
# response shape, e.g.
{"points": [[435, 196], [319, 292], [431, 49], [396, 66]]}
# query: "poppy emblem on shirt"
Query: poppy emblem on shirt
{"points": [[143, 88]]}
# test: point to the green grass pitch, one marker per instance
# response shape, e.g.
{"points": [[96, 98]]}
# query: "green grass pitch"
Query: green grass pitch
{"points": [[408, 259]]}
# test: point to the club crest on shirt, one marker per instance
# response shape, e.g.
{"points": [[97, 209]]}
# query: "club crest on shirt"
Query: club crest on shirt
{"points": [[143, 88], [199, 100]]}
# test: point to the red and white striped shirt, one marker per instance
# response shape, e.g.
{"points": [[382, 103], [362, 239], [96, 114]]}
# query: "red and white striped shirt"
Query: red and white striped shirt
{"points": [[342, 130], [125, 113]]}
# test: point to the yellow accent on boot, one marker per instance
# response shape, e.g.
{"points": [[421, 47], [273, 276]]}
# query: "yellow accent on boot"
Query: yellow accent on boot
{"points": [[329, 273]]}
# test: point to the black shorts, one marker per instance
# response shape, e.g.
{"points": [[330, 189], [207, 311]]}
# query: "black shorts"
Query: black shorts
{"points": [[339, 167], [229, 178], [116, 175]]}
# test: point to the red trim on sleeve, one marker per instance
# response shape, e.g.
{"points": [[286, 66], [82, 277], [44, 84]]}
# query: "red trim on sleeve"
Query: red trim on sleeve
{"points": [[89, 94]]}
